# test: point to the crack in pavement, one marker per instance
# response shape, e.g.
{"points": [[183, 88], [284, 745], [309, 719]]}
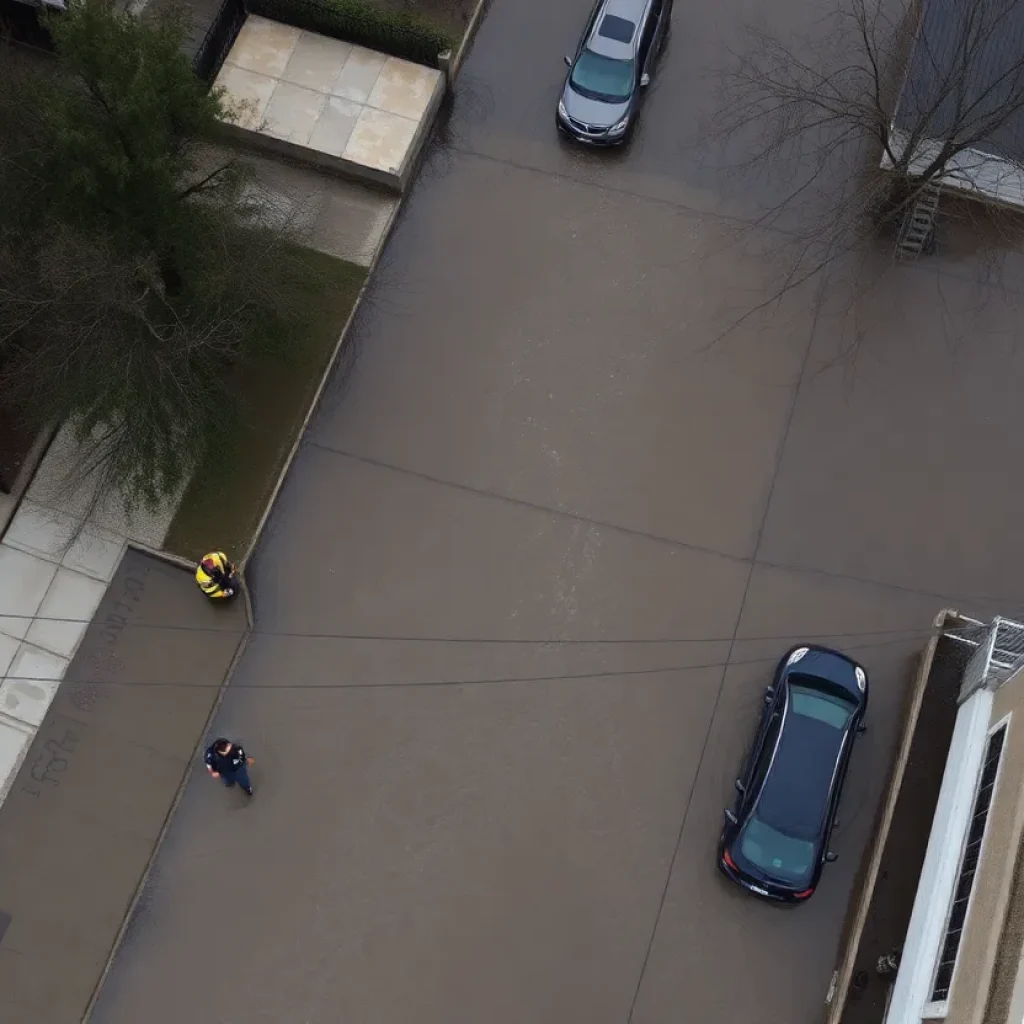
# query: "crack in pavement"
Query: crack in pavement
{"points": [[1007, 604]]}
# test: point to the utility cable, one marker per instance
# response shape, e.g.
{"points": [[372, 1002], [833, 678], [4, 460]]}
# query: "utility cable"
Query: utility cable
{"points": [[423, 639], [603, 673]]}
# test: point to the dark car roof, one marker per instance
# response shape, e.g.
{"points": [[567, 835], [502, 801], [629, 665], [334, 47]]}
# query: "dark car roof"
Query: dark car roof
{"points": [[795, 794]]}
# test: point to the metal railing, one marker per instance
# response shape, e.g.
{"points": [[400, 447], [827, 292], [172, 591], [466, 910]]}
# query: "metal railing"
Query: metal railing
{"points": [[219, 38], [998, 653]]}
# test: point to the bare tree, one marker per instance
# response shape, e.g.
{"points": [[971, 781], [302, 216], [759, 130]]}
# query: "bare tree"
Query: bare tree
{"points": [[869, 115]]}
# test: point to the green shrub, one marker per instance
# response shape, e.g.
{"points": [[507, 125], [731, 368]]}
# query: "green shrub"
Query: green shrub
{"points": [[360, 21]]}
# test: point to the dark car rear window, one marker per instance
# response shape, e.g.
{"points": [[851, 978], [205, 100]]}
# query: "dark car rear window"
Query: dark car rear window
{"points": [[619, 29], [782, 856]]}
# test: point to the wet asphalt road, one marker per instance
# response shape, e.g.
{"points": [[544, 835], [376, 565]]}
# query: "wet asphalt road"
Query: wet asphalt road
{"points": [[536, 436]]}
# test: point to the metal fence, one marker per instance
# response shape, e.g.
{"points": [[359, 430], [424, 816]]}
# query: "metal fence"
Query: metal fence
{"points": [[21, 24], [219, 38]]}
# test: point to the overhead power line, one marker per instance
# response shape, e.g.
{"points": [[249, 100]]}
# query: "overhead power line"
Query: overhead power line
{"points": [[425, 639], [425, 684]]}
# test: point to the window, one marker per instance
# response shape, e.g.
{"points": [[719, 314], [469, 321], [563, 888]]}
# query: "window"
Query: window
{"points": [[822, 707], [764, 755], [968, 866], [602, 78], [619, 29], [787, 857]]}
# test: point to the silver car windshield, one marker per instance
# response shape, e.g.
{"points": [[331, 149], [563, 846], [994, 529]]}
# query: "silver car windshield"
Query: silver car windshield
{"points": [[602, 78]]}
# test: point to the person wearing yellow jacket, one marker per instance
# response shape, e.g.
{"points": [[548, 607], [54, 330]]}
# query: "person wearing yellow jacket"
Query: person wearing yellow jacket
{"points": [[216, 576]]}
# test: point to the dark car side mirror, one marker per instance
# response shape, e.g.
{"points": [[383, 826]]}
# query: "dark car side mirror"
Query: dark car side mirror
{"points": [[739, 786], [830, 857], [730, 817], [568, 62], [645, 79]]}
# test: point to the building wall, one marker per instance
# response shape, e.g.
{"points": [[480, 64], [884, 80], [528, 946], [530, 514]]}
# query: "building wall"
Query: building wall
{"points": [[1006, 990], [993, 884]]}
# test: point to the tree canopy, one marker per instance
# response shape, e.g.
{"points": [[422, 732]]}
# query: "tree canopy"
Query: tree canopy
{"points": [[134, 270]]}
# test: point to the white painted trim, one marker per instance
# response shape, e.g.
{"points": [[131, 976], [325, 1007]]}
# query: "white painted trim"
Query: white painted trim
{"points": [[942, 860]]}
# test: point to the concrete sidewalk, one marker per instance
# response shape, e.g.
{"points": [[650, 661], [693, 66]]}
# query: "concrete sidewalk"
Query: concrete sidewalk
{"points": [[58, 554], [86, 809]]}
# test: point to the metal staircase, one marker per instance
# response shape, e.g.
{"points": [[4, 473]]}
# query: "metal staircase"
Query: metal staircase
{"points": [[999, 652], [917, 231], [1007, 652]]}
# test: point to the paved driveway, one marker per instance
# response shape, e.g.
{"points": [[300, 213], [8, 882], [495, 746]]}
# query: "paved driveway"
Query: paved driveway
{"points": [[538, 437]]}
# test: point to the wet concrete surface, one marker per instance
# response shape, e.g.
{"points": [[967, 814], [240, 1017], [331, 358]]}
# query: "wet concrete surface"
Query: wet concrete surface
{"points": [[84, 813], [540, 434]]}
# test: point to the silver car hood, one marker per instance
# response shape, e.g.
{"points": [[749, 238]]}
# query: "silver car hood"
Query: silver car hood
{"points": [[593, 112]]}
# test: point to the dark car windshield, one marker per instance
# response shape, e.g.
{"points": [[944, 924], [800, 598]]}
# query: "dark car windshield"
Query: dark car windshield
{"points": [[602, 78], [783, 832]]}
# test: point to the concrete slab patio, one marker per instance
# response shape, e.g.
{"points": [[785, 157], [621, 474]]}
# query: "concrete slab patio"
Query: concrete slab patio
{"points": [[330, 102], [84, 812], [57, 556]]}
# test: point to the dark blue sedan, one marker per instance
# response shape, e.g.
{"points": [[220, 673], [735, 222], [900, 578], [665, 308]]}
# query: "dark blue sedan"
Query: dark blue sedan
{"points": [[775, 840]]}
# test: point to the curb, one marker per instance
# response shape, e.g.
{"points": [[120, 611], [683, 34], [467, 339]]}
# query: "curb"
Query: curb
{"points": [[467, 39], [318, 394], [250, 615], [867, 876], [165, 827], [452, 74], [180, 562], [184, 563], [243, 562], [164, 556]]}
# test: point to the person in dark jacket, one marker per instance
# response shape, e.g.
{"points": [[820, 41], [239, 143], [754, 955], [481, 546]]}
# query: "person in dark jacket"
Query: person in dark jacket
{"points": [[228, 762]]}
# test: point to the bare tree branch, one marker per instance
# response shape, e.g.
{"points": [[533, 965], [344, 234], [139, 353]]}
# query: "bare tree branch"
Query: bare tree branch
{"points": [[867, 113]]}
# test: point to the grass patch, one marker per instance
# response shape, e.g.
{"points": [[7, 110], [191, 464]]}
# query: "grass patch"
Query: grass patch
{"points": [[397, 32], [223, 504]]}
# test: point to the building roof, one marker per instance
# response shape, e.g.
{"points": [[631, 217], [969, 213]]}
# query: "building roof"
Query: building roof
{"points": [[966, 71]]}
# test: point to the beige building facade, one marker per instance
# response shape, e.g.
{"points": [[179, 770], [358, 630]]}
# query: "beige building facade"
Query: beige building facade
{"points": [[961, 962]]}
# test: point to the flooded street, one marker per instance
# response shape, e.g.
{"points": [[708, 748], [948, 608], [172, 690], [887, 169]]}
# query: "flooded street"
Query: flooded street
{"points": [[548, 533]]}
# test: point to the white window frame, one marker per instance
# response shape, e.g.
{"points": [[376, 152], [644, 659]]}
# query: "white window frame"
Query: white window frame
{"points": [[940, 1008], [938, 872]]}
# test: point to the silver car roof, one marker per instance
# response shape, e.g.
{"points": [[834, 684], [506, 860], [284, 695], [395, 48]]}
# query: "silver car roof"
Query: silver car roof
{"points": [[629, 10]]}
